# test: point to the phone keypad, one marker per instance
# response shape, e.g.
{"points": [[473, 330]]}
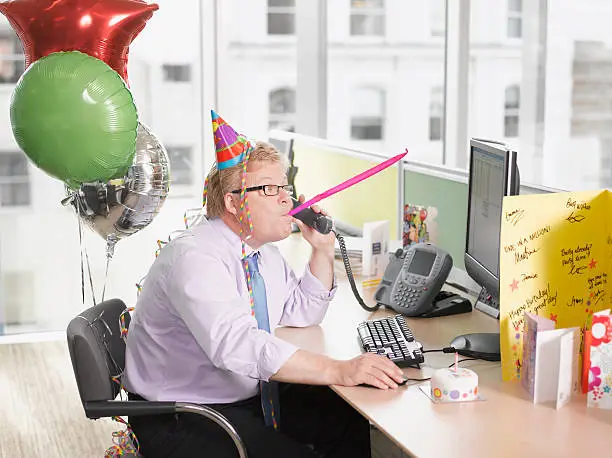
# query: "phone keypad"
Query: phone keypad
{"points": [[406, 294]]}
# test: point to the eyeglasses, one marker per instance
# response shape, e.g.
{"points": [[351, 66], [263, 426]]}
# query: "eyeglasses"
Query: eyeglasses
{"points": [[268, 189]]}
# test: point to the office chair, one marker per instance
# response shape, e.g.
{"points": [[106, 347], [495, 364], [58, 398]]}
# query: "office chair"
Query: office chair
{"points": [[97, 352]]}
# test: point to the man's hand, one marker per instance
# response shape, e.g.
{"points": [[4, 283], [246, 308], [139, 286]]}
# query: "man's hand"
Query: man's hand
{"points": [[371, 369], [318, 241]]}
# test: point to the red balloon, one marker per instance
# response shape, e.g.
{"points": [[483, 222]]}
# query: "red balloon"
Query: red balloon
{"points": [[101, 28]]}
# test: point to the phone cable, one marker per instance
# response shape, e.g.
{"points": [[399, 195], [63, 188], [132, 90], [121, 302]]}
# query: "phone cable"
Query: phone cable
{"points": [[349, 273]]}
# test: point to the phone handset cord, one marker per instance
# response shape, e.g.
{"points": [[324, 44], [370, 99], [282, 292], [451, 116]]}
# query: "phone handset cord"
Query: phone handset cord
{"points": [[349, 274]]}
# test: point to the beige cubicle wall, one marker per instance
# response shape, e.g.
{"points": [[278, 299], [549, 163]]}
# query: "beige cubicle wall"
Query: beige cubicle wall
{"points": [[322, 167]]}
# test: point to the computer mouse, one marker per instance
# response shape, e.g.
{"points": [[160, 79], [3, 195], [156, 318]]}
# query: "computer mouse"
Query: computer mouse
{"points": [[482, 345]]}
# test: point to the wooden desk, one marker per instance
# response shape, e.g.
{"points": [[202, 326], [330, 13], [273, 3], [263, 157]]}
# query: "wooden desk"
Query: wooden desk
{"points": [[506, 424]]}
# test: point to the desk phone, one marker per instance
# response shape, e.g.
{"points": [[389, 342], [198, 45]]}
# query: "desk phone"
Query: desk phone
{"points": [[413, 279]]}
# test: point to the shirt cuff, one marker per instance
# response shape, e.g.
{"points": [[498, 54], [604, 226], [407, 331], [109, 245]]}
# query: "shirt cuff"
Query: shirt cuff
{"points": [[312, 286], [275, 353]]}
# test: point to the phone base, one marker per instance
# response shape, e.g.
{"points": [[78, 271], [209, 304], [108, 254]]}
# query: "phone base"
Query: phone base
{"points": [[450, 305]]}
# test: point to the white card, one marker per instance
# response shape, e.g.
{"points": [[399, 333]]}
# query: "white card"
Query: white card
{"points": [[556, 367]]}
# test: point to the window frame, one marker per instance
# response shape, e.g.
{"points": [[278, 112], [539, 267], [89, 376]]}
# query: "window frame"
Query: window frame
{"points": [[281, 10], [382, 117], [16, 180], [181, 189], [286, 117], [434, 101], [512, 111], [169, 69], [514, 15], [16, 57], [368, 12]]}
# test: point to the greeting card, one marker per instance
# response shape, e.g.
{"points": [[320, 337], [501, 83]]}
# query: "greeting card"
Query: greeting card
{"points": [[550, 360], [598, 360]]}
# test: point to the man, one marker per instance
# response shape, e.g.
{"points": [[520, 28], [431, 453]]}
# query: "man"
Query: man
{"points": [[200, 333]]}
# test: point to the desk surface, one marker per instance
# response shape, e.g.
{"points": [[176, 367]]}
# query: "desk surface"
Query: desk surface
{"points": [[506, 424]]}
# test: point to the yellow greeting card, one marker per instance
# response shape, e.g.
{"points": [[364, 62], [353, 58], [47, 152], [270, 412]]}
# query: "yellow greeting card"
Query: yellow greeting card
{"points": [[555, 259]]}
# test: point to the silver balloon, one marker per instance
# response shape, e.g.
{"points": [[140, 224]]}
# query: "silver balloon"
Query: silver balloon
{"points": [[121, 207]]}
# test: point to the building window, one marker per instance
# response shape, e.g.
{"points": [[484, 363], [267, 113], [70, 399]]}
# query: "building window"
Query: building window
{"points": [[281, 17], [515, 21], [12, 60], [437, 17], [14, 180], [511, 111], [282, 109], [436, 114], [181, 164], [368, 18], [367, 120], [177, 73]]}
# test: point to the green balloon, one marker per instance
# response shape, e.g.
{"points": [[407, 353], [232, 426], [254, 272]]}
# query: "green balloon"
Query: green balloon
{"points": [[75, 118]]}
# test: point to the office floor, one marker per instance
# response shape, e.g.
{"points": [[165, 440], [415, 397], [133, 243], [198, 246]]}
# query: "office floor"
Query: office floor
{"points": [[41, 414], [40, 410]]}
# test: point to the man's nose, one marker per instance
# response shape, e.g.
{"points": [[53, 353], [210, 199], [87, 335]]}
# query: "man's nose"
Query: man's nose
{"points": [[284, 196]]}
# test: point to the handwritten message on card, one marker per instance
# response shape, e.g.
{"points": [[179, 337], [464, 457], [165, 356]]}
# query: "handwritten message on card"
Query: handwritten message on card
{"points": [[555, 258]]}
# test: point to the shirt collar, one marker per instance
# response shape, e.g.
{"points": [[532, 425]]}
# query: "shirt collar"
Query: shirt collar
{"points": [[232, 238]]}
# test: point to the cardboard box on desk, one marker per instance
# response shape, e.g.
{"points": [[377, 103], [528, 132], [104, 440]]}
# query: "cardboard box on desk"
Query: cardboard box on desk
{"points": [[375, 248], [597, 366]]}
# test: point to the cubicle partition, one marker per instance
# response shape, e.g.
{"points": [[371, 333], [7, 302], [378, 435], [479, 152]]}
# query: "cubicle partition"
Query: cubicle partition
{"points": [[322, 166], [441, 191], [444, 195]]}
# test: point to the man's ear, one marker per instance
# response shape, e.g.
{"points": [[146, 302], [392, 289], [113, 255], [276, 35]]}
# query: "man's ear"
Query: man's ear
{"points": [[230, 204]]}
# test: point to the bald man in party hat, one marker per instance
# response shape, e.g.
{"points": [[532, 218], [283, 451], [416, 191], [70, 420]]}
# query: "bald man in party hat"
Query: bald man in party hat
{"points": [[203, 330]]}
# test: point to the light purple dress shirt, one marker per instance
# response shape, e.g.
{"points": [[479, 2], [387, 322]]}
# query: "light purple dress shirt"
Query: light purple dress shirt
{"points": [[193, 338]]}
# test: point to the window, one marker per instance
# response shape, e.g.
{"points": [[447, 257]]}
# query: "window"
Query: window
{"points": [[14, 180], [368, 17], [282, 109], [281, 17], [436, 114], [181, 165], [177, 73], [511, 111], [367, 121], [12, 64], [437, 17], [515, 21]]}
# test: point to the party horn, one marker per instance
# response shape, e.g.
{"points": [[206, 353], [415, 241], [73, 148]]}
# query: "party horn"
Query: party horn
{"points": [[350, 182]]}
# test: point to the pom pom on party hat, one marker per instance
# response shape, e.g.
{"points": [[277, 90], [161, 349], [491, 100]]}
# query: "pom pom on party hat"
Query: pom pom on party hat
{"points": [[230, 146]]}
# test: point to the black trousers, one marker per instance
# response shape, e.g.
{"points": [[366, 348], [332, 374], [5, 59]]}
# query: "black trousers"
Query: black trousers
{"points": [[315, 422]]}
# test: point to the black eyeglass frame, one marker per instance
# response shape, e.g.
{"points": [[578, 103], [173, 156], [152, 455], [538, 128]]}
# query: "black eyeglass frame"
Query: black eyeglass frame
{"points": [[287, 187]]}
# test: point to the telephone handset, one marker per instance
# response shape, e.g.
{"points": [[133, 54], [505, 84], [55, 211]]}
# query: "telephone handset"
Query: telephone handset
{"points": [[308, 216], [413, 279]]}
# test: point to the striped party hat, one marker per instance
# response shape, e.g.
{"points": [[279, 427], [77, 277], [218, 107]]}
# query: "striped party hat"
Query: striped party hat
{"points": [[230, 146]]}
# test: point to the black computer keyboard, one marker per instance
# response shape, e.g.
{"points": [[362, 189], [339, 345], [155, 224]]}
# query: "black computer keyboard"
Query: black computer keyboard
{"points": [[392, 337]]}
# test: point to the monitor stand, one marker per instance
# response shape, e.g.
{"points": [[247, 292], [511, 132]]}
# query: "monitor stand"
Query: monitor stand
{"points": [[487, 303], [481, 345]]}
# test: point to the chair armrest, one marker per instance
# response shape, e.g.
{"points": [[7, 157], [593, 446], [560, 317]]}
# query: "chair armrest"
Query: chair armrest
{"points": [[98, 409]]}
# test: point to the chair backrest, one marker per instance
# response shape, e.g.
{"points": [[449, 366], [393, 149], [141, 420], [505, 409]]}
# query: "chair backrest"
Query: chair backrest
{"points": [[97, 350]]}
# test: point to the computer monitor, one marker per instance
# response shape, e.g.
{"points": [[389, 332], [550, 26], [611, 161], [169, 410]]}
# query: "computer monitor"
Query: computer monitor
{"points": [[493, 174]]}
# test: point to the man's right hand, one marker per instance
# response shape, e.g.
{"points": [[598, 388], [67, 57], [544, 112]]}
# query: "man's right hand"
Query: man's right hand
{"points": [[370, 369]]}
